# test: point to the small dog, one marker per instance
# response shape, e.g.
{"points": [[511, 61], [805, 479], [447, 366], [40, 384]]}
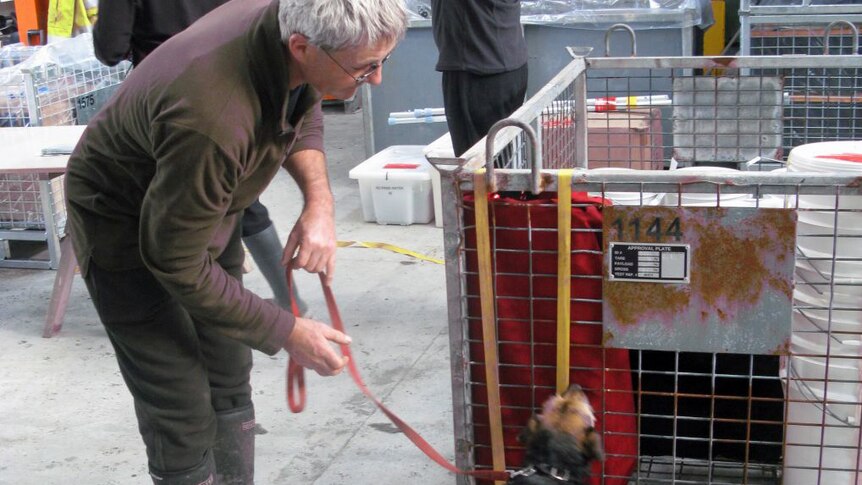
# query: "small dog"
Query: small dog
{"points": [[561, 442]]}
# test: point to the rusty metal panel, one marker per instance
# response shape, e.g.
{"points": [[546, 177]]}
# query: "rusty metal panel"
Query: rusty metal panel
{"points": [[737, 296]]}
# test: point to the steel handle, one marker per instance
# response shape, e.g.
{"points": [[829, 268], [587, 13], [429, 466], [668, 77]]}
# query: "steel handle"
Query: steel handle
{"points": [[828, 33], [623, 27], [534, 156]]}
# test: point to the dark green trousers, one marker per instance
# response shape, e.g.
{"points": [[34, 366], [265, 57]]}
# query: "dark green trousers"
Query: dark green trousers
{"points": [[180, 372]]}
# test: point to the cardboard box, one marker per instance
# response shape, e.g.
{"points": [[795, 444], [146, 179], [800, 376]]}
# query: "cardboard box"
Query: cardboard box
{"points": [[627, 139], [396, 186]]}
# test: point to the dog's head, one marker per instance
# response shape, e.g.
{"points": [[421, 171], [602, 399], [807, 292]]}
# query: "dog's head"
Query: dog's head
{"points": [[561, 441]]}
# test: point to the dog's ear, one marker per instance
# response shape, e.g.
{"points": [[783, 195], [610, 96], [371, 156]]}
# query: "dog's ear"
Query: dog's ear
{"points": [[530, 430], [593, 445]]}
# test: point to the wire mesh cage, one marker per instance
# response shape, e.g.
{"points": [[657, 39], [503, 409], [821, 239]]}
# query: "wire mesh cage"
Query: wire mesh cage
{"points": [[13, 54], [21, 205], [826, 100], [741, 363], [55, 85], [800, 27]]}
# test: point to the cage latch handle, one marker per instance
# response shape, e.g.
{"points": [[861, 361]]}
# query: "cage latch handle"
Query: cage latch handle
{"points": [[535, 154], [831, 27], [625, 28]]}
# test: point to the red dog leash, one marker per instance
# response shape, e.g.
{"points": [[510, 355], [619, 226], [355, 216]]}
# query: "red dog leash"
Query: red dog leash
{"points": [[296, 384]]}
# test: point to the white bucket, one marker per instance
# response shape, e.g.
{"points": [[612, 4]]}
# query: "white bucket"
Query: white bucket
{"points": [[818, 346], [845, 242], [847, 289], [835, 374], [808, 325], [822, 437], [837, 369], [841, 330], [847, 221], [712, 198], [626, 198], [823, 263], [829, 157]]}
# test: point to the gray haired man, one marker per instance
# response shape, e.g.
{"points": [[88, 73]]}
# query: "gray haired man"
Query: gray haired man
{"points": [[155, 188]]}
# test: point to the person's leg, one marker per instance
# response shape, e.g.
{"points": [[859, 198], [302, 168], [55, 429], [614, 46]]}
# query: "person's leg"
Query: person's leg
{"points": [[160, 359], [228, 364], [261, 239], [473, 103], [458, 116], [494, 97]]}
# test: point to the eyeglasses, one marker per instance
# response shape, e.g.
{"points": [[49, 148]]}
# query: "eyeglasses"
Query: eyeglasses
{"points": [[364, 77]]}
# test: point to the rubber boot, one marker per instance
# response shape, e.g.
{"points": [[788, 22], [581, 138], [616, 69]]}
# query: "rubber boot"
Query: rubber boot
{"points": [[266, 250], [203, 474], [234, 446]]}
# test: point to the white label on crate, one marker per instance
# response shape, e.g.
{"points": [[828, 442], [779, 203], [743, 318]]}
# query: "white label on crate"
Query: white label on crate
{"points": [[649, 263]]}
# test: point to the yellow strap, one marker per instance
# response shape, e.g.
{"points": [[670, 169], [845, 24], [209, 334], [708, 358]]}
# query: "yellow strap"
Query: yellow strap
{"points": [[389, 247], [489, 328], [564, 277]]}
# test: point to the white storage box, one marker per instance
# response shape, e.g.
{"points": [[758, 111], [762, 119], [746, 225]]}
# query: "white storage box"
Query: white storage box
{"points": [[396, 186]]}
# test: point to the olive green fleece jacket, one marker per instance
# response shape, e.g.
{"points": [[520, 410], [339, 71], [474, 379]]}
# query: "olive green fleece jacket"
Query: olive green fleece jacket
{"points": [[192, 137]]}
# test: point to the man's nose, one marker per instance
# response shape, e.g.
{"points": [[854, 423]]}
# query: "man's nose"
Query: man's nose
{"points": [[376, 77]]}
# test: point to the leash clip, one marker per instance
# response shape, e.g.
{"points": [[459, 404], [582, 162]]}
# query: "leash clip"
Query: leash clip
{"points": [[523, 472], [555, 473]]}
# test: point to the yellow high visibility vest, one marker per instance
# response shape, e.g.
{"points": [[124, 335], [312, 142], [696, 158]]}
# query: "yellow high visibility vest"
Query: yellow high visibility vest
{"points": [[68, 18]]}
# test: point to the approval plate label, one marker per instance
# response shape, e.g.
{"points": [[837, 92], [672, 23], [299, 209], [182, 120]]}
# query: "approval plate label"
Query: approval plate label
{"points": [[653, 263]]}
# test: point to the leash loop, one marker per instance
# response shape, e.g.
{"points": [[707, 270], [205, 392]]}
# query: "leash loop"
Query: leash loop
{"points": [[295, 372], [296, 379]]}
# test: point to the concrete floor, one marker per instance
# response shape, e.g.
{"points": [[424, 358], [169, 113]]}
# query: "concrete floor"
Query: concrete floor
{"points": [[66, 416]]}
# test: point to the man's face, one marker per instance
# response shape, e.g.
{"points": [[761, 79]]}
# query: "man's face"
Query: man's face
{"points": [[340, 73]]}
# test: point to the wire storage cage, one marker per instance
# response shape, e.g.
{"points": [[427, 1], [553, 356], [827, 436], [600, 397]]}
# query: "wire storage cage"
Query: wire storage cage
{"points": [[802, 27], [710, 310], [13, 54], [828, 100], [31, 210], [55, 85]]}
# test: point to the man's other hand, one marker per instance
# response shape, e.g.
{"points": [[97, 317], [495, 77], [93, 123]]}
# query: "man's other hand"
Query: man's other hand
{"points": [[310, 345]]}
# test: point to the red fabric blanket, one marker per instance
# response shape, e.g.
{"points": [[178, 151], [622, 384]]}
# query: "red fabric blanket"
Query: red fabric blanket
{"points": [[524, 244]]}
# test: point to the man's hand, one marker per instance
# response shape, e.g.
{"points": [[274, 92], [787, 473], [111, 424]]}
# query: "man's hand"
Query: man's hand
{"points": [[309, 344], [314, 238], [311, 244]]}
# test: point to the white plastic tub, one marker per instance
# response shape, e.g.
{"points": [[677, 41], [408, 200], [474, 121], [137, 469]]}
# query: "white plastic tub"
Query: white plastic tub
{"points": [[836, 368], [626, 198], [847, 289], [707, 199], [396, 186], [846, 242], [822, 437], [808, 325]]}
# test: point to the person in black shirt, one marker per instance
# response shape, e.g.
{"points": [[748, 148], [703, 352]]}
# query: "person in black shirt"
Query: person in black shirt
{"points": [[483, 58]]}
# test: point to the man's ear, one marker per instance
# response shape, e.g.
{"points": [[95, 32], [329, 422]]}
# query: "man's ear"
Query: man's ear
{"points": [[298, 46]]}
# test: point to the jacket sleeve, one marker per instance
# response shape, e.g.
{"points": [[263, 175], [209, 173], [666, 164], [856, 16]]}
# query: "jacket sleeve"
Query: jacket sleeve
{"points": [[183, 216], [112, 33], [310, 135]]}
